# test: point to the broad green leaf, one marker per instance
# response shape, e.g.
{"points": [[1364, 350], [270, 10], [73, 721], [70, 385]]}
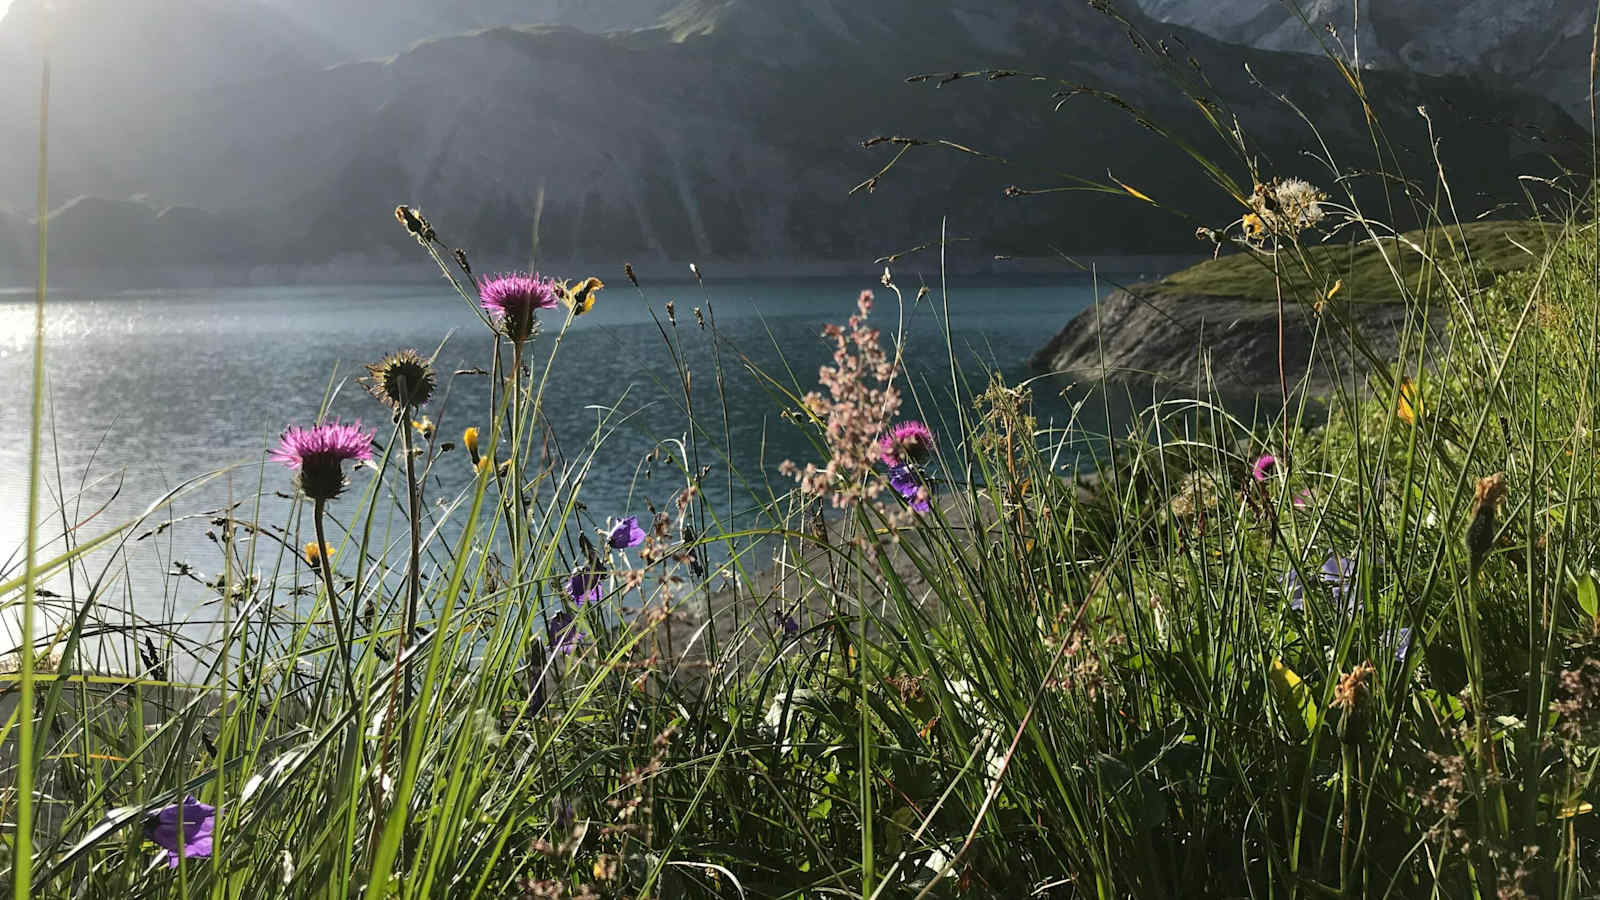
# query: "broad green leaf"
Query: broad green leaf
{"points": [[1295, 702]]}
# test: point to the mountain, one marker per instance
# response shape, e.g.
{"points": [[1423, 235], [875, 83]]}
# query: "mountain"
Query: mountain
{"points": [[733, 130], [1539, 45], [122, 73], [369, 28]]}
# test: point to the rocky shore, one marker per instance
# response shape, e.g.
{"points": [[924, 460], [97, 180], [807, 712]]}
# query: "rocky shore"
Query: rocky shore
{"points": [[1149, 333]]}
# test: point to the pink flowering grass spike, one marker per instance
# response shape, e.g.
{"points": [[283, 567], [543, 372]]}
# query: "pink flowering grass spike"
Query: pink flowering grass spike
{"points": [[318, 455], [861, 397], [907, 442], [514, 301]]}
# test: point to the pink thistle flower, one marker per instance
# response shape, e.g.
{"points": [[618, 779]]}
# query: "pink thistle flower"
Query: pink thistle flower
{"points": [[318, 455], [907, 442], [1263, 467], [514, 300]]}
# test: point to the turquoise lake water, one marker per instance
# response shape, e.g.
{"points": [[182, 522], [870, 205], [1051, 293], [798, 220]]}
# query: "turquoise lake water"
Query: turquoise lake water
{"points": [[147, 389]]}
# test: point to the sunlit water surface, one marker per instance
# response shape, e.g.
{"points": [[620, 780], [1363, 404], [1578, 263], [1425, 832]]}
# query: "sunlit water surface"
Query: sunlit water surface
{"points": [[148, 389]]}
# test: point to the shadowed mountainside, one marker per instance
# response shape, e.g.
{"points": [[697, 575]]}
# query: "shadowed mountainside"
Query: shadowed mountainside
{"points": [[1537, 45], [733, 131]]}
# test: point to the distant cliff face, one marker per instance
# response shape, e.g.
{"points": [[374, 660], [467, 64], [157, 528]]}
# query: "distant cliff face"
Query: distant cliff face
{"points": [[1540, 45], [734, 131], [370, 28]]}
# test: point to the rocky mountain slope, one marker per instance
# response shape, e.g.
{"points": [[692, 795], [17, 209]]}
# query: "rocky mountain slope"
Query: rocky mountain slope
{"points": [[732, 131], [369, 28], [1538, 45]]}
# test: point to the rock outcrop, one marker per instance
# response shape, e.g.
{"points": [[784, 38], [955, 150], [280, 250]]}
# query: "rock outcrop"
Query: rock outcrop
{"points": [[1138, 334]]}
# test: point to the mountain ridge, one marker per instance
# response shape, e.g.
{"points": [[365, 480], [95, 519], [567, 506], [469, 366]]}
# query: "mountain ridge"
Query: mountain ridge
{"points": [[695, 139]]}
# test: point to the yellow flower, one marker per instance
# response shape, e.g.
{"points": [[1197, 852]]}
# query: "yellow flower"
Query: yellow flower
{"points": [[1409, 406], [424, 427], [315, 554], [1254, 228], [469, 439], [580, 299]]}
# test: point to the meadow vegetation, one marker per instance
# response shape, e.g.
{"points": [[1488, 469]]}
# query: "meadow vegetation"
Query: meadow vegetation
{"points": [[1252, 658]]}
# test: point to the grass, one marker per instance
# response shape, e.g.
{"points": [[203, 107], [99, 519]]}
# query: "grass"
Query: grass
{"points": [[1364, 266], [1374, 671]]}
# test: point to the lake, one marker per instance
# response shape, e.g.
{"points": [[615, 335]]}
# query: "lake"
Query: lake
{"points": [[149, 388]]}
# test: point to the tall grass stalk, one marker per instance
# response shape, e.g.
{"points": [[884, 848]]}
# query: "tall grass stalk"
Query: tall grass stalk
{"points": [[22, 838]]}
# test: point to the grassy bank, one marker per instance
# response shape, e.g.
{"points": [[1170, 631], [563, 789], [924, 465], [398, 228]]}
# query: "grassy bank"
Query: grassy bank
{"points": [[1367, 667], [1369, 267], [1256, 659]]}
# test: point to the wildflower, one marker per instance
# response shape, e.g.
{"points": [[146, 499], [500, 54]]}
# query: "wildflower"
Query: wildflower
{"points": [[1263, 467], [184, 829], [908, 485], [319, 453], [1295, 589], [907, 442], [1338, 573], [1303, 498], [580, 298], [424, 427], [1408, 406], [787, 623], [861, 398], [584, 587], [469, 439], [625, 533], [315, 554], [1254, 228], [564, 634], [513, 300], [401, 380], [1480, 531], [1400, 640], [564, 812]]}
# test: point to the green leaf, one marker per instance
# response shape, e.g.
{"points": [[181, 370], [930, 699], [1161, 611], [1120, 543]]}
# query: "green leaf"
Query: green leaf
{"points": [[1295, 702], [1589, 594]]}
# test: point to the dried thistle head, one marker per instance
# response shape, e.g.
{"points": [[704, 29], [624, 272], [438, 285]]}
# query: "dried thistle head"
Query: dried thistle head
{"points": [[1480, 530], [1283, 207], [415, 224], [401, 380], [1354, 687]]}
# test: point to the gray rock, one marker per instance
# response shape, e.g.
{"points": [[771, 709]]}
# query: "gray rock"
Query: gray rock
{"points": [[1140, 335]]}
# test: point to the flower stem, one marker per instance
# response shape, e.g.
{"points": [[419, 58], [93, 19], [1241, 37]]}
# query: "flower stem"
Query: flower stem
{"points": [[413, 587], [333, 606]]}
